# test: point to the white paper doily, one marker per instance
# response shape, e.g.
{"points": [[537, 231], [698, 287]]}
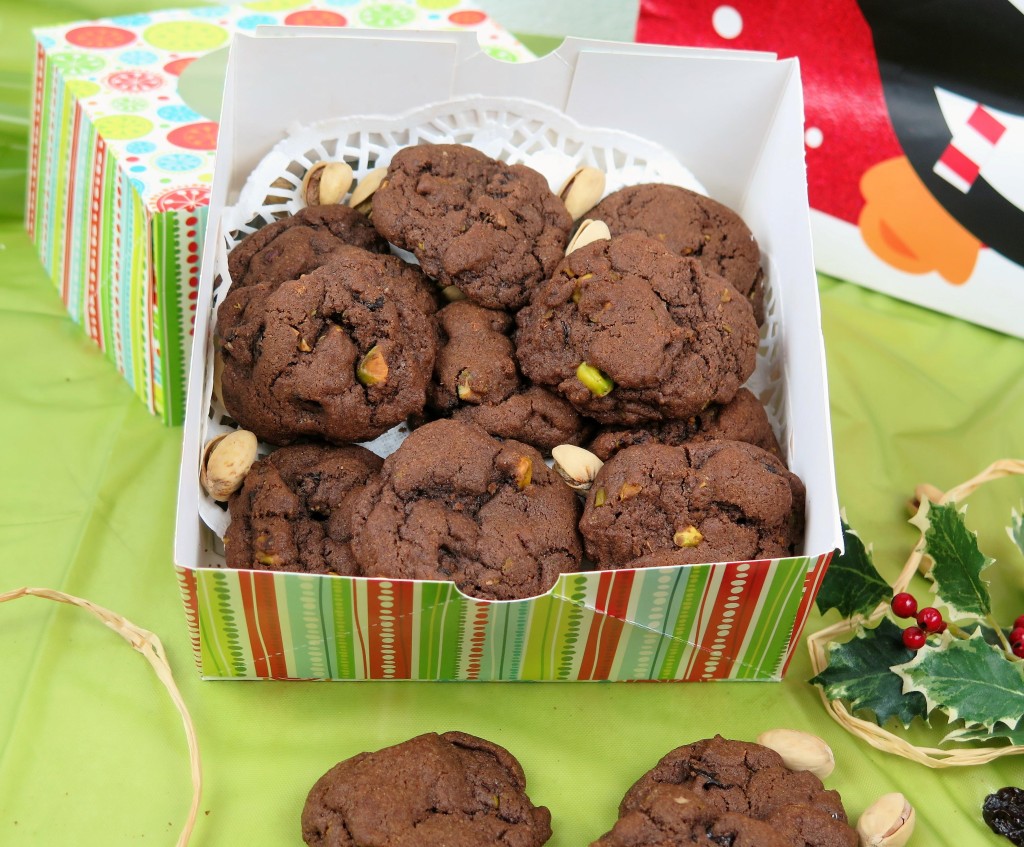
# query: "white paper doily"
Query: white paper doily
{"points": [[512, 130]]}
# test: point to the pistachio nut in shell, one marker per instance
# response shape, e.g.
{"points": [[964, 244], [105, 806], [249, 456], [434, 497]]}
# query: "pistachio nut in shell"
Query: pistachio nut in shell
{"points": [[326, 183], [589, 232], [362, 196], [226, 461], [582, 190], [888, 822], [800, 751], [576, 466]]}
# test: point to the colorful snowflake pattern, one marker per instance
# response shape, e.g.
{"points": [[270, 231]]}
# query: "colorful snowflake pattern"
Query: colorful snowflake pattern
{"points": [[125, 70]]}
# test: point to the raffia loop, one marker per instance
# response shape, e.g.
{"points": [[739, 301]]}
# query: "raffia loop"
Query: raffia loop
{"points": [[817, 644], [148, 644]]}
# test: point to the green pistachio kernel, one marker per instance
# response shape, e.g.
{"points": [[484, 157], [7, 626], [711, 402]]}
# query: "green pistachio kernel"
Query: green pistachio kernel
{"points": [[597, 383], [689, 537], [373, 368]]}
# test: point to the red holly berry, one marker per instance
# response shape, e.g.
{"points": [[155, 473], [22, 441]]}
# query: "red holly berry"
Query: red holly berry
{"points": [[904, 605], [942, 627], [930, 619], [1018, 649], [1017, 634], [914, 638], [1019, 622]]}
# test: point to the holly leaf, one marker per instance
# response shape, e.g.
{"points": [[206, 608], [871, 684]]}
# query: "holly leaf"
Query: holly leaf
{"points": [[851, 584], [1015, 530], [969, 679], [958, 562], [966, 734], [859, 673]]}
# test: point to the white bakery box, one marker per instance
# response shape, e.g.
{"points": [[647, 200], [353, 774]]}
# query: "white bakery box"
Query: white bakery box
{"points": [[641, 113]]}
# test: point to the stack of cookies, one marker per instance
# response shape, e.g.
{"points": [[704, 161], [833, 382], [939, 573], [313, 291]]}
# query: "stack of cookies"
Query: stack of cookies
{"points": [[499, 346]]}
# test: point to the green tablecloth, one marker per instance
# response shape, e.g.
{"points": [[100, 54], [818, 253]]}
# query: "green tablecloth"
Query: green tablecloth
{"points": [[91, 750]]}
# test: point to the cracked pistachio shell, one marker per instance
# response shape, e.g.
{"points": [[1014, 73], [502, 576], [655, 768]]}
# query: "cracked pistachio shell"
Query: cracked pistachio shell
{"points": [[589, 232], [800, 751], [576, 466], [226, 461], [362, 196], [888, 822], [582, 190], [326, 183]]}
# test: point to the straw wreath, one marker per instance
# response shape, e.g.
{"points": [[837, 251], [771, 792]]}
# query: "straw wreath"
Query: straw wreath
{"points": [[876, 736], [148, 644]]}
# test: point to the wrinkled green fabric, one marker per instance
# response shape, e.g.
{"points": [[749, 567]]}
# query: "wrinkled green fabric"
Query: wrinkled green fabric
{"points": [[91, 749]]}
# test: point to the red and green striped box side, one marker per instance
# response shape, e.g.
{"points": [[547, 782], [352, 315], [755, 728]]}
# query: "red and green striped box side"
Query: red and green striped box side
{"points": [[124, 273], [738, 620]]}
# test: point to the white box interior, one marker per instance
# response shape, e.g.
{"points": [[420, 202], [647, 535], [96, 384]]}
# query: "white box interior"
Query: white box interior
{"points": [[734, 119]]}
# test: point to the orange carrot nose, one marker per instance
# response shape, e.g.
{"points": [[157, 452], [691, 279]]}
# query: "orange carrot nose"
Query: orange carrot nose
{"points": [[905, 226]]}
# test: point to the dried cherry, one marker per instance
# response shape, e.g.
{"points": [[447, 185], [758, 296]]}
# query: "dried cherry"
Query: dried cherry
{"points": [[1004, 813]]}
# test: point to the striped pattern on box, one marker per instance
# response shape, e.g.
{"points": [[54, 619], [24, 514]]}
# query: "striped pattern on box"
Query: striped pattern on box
{"points": [[738, 620]]}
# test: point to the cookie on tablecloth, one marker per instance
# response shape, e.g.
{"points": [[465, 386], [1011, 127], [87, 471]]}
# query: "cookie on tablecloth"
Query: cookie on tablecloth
{"points": [[453, 503], [453, 789], [629, 332], [477, 379], [343, 353], [300, 243], [292, 513], [718, 791], [741, 419], [493, 230], [690, 224], [712, 501]]}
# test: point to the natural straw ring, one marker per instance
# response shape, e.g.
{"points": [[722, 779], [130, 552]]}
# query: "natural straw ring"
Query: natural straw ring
{"points": [[872, 733], [146, 643]]}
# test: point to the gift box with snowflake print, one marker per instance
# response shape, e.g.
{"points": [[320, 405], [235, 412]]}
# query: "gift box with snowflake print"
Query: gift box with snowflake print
{"points": [[124, 126]]}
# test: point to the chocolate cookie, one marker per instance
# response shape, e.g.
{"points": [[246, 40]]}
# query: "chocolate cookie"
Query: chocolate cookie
{"points": [[690, 224], [494, 230], [534, 416], [452, 503], [629, 332], [711, 501], [452, 789], [476, 379], [741, 419], [717, 791], [343, 353], [292, 513], [476, 362], [300, 243]]}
